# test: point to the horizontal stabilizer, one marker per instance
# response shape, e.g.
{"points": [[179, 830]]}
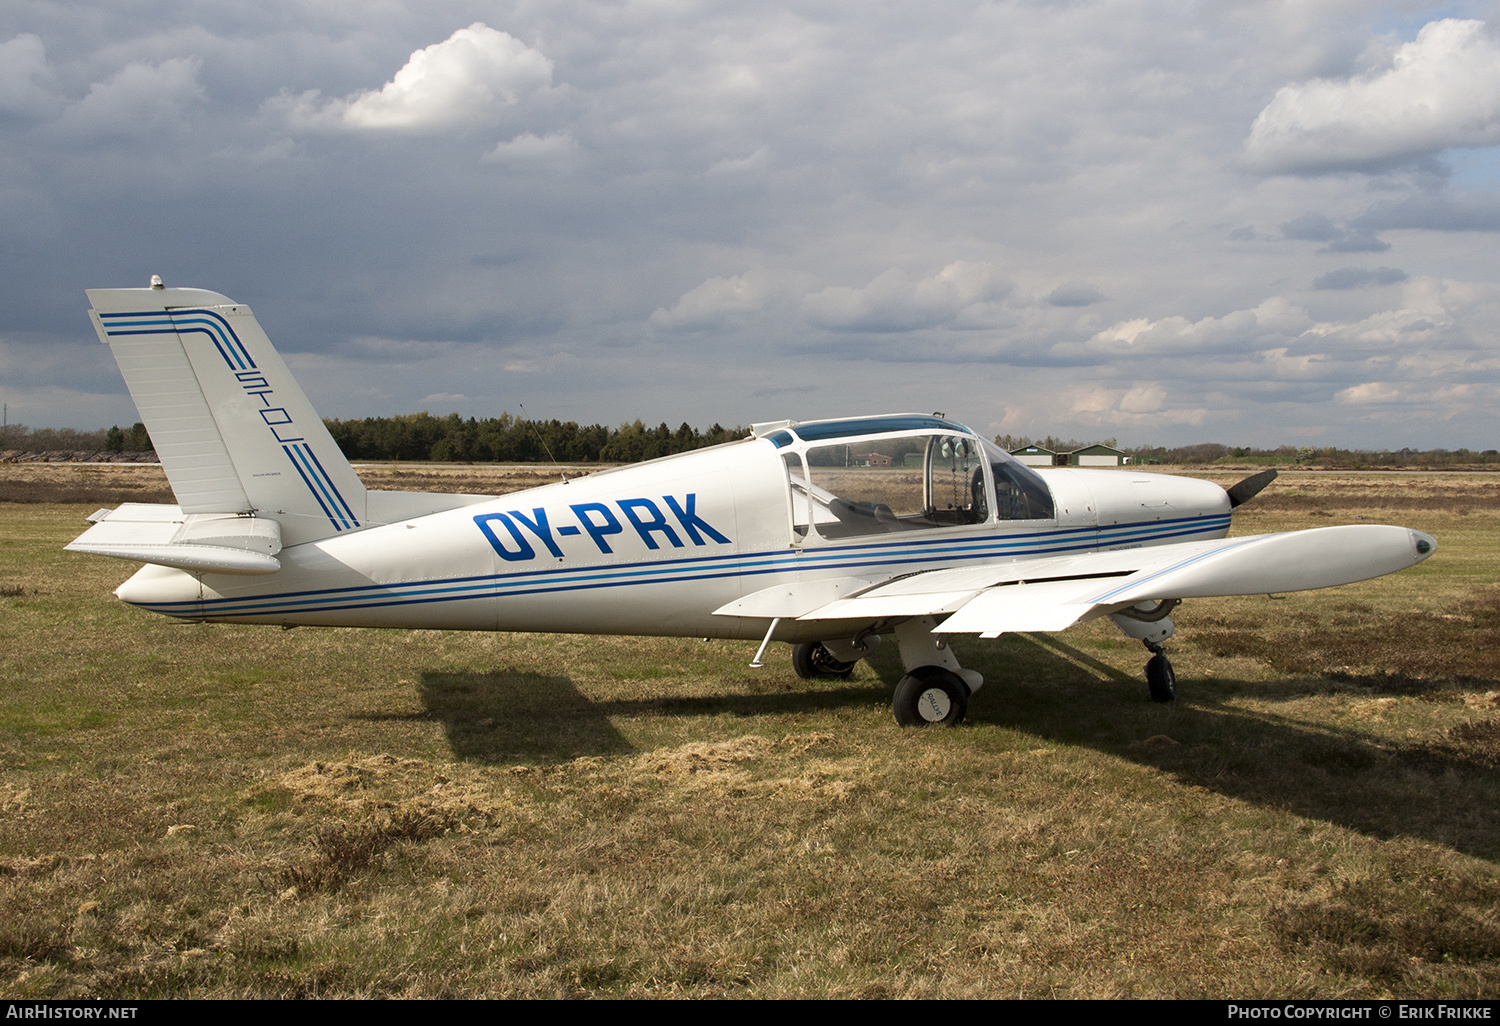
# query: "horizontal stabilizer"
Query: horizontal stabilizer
{"points": [[196, 542]]}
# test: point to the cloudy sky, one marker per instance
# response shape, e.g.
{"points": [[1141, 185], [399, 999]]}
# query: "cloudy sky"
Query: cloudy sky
{"points": [[1241, 221]]}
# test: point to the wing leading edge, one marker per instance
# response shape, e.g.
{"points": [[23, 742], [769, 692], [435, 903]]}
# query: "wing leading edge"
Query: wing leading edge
{"points": [[1056, 593]]}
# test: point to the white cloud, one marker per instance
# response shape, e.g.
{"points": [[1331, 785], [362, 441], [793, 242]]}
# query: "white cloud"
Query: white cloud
{"points": [[1442, 90], [1370, 392], [529, 148], [470, 76], [895, 303], [138, 98], [1274, 320], [713, 303], [685, 180], [23, 69], [1142, 406]]}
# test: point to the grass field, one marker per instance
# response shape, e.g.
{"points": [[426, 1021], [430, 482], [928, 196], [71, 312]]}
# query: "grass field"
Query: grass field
{"points": [[212, 810]]}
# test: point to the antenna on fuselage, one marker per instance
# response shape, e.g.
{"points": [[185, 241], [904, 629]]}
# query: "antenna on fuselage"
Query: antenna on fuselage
{"points": [[545, 449]]}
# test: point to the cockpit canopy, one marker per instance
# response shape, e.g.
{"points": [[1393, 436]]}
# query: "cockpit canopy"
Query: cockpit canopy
{"points": [[881, 475]]}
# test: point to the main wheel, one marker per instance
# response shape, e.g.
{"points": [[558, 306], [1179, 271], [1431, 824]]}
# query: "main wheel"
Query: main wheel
{"points": [[812, 661], [1160, 678], [931, 694]]}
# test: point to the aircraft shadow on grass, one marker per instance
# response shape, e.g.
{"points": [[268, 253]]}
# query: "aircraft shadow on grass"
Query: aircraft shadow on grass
{"points": [[1044, 687], [1338, 773], [506, 716]]}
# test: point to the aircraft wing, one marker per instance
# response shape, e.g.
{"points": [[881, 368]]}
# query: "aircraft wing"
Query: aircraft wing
{"points": [[1054, 593]]}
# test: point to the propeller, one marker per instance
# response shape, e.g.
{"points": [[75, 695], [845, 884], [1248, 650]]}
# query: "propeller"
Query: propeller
{"points": [[1249, 488]]}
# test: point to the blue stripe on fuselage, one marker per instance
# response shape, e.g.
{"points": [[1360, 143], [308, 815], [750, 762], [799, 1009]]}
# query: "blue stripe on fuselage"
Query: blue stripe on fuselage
{"points": [[956, 552]]}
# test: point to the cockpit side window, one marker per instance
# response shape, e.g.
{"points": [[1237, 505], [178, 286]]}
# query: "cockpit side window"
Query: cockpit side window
{"points": [[880, 485], [956, 490]]}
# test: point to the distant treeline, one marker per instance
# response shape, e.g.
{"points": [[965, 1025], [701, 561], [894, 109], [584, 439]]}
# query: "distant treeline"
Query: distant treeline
{"points": [[507, 439], [420, 437], [115, 439], [1338, 459], [1204, 453]]}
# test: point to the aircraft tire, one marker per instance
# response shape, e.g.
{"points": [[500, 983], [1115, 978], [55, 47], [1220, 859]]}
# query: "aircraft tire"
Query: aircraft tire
{"points": [[1160, 678], [814, 662], [931, 695]]}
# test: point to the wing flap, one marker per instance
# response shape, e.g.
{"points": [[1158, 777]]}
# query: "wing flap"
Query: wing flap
{"points": [[881, 606], [1053, 606]]}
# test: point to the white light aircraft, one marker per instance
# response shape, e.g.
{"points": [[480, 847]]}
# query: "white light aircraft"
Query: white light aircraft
{"points": [[825, 534]]}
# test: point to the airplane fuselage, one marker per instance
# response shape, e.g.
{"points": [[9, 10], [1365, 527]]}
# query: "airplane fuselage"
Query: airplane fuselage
{"points": [[656, 548]]}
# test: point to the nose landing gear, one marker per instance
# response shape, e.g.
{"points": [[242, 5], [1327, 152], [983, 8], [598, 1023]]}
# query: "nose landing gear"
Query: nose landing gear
{"points": [[1149, 624]]}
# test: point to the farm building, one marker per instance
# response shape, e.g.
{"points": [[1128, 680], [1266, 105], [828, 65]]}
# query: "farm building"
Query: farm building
{"points": [[1034, 455], [1095, 456]]}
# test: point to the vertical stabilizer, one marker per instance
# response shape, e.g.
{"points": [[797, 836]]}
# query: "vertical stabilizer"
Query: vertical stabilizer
{"points": [[234, 432]]}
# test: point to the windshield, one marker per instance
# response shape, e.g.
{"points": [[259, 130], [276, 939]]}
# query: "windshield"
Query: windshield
{"points": [[1020, 492]]}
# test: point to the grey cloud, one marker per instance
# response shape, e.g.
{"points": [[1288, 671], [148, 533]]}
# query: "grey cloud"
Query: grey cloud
{"points": [[1358, 277], [1074, 293], [1442, 213], [24, 72], [1351, 237], [893, 302], [885, 175], [138, 99]]}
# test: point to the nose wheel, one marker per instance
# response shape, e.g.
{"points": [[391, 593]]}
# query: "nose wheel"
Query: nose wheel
{"points": [[1160, 678]]}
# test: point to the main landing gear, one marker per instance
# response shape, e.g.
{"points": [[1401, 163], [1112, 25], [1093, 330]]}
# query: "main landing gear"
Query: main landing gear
{"points": [[931, 694], [1149, 624], [812, 661], [935, 689]]}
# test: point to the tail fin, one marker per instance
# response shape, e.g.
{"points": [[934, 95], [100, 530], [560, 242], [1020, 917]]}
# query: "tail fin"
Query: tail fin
{"points": [[234, 431]]}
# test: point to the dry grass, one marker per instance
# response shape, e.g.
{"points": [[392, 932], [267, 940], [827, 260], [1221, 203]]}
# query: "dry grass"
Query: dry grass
{"points": [[114, 483], [204, 810]]}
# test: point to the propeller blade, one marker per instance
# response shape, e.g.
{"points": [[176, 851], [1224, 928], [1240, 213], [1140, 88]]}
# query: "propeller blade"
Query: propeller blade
{"points": [[1249, 488]]}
